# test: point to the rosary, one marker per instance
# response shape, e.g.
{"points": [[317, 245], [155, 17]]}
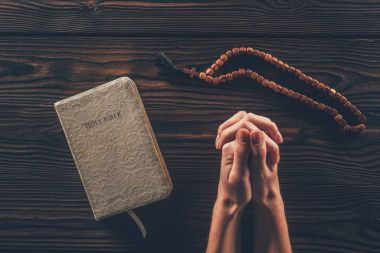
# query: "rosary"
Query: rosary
{"points": [[208, 76]]}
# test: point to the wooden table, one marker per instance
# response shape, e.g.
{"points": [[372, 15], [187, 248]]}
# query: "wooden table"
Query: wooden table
{"points": [[50, 50]]}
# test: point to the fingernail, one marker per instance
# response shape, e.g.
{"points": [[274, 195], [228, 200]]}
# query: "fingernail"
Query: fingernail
{"points": [[242, 136], [217, 141], [256, 137], [279, 137]]}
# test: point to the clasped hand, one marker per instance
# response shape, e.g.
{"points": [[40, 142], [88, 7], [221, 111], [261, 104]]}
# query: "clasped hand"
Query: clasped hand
{"points": [[248, 173], [250, 157]]}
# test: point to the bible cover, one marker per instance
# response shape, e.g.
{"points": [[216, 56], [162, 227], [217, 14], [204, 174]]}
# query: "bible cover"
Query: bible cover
{"points": [[114, 148]]}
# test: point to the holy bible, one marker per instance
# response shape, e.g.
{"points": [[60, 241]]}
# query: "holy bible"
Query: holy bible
{"points": [[114, 148]]}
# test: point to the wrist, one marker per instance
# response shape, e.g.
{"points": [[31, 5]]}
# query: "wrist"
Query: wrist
{"points": [[268, 196], [227, 209], [270, 205]]}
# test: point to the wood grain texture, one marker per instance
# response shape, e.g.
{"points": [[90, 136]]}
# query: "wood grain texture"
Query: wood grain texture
{"points": [[191, 18], [330, 182]]}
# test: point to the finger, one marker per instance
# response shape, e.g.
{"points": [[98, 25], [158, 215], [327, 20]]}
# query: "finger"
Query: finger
{"points": [[229, 134], [235, 118], [259, 152], [266, 125], [226, 161], [241, 151]]}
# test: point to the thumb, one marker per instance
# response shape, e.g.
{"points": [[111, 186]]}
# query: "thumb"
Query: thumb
{"points": [[241, 152], [258, 151]]}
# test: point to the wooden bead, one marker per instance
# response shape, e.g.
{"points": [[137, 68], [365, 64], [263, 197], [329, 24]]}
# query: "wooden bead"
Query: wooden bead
{"points": [[321, 107], [363, 119], [265, 82], [235, 51], [303, 99], [215, 80], [208, 79], [229, 53], [261, 54], [250, 50], [243, 50], [314, 105], [328, 109], [235, 73], [358, 113], [338, 117], [320, 86], [222, 78], [202, 75], [353, 108], [219, 62], [256, 52], [315, 83], [361, 127], [284, 90], [343, 100], [209, 71], [272, 84], [347, 105], [278, 88], [214, 67], [309, 101], [274, 60], [241, 72], [290, 69], [297, 72], [326, 89], [297, 95], [290, 93], [224, 57], [338, 95], [267, 57], [260, 79], [354, 129], [346, 128], [309, 80], [229, 76], [254, 75], [302, 77], [342, 122], [249, 72], [333, 112], [279, 63], [332, 92]]}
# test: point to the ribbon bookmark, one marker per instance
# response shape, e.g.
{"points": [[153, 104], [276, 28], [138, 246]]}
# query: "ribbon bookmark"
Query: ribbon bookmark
{"points": [[138, 222]]}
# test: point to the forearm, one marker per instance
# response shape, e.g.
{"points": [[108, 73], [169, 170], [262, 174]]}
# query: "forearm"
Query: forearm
{"points": [[270, 227], [225, 230]]}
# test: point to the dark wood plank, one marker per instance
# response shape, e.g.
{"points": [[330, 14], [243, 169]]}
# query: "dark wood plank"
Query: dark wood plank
{"points": [[330, 182], [191, 18]]}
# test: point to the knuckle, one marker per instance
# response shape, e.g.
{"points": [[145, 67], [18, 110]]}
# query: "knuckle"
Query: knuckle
{"points": [[226, 149], [220, 129], [239, 150], [245, 123], [276, 148], [222, 137], [259, 152], [245, 118], [250, 114], [228, 160], [235, 180], [273, 125]]}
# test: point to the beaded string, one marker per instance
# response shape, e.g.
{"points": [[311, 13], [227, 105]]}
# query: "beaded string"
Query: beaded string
{"points": [[209, 77]]}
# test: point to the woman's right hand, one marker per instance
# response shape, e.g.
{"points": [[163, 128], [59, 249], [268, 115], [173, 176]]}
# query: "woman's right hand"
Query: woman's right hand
{"points": [[270, 226]]}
